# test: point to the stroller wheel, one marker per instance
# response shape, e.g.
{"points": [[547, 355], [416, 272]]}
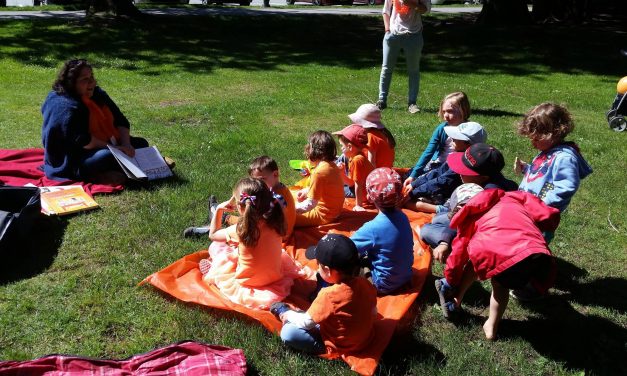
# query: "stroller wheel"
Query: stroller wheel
{"points": [[610, 114], [618, 123]]}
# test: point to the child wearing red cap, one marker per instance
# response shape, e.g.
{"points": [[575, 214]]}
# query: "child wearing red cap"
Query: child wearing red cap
{"points": [[480, 164], [498, 238], [353, 140], [342, 316], [387, 240]]}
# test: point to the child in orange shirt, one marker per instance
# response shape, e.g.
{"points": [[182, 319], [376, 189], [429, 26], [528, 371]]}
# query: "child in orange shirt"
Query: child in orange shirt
{"points": [[322, 201], [247, 262], [353, 140], [380, 143], [267, 170], [342, 316]]}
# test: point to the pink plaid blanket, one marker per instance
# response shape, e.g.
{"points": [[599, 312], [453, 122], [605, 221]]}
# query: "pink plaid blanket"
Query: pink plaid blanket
{"points": [[186, 358]]}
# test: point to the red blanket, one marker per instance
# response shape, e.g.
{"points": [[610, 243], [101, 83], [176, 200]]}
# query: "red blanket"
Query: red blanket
{"points": [[181, 359], [183, 280], [22, 166]]}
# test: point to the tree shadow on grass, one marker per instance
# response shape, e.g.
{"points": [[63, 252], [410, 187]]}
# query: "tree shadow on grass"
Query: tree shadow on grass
{"points": [[28, 255], [201, 44], [561, 333], [606, 292], [403, 350]]}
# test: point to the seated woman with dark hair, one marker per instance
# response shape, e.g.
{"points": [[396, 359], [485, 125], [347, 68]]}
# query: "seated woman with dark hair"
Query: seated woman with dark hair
{"points": [[80, 120]]}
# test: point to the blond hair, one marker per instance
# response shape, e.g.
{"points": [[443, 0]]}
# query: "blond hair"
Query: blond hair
{"points": [[460, 100]]}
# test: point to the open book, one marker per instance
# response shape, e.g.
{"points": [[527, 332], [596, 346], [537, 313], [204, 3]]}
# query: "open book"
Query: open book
{"points": [[65, 199], [148, 164]]}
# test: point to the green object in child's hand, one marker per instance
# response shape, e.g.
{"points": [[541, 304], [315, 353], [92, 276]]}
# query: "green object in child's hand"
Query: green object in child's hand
{"points": [[298, 164]]}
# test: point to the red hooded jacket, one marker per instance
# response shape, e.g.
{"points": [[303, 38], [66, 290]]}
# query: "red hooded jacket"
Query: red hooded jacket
{"points": [[496, 230]]}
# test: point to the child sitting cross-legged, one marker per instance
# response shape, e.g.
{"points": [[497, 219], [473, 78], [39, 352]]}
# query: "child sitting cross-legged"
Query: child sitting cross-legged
{"points": [[437, 185], [353, 140], [498, 238], [322, 200], [342, 316], [247, 263], [387, 240]]}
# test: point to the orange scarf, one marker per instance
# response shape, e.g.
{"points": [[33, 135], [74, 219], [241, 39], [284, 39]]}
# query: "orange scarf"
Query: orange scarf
{"points": [[101, 121], [401, 9]]}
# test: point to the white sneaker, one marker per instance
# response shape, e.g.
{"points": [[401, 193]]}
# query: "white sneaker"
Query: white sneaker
{"points": [[413, 108]]}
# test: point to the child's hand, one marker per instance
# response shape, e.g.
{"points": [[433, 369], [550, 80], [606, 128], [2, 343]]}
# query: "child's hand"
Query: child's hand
{"points": [[519, 166], [441, 252], [228, 205], [406, 190], [408, 181], [302, 194], [358, 208], [340, 165]]}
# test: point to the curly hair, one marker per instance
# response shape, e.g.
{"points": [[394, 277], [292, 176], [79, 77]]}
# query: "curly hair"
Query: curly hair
{"points": [[546, 121], [321, 147], [66, 79], [460, 100], [262, 207]]}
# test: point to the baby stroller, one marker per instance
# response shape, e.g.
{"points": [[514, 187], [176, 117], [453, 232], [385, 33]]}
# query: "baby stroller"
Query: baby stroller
{"points": [[617, 115]]}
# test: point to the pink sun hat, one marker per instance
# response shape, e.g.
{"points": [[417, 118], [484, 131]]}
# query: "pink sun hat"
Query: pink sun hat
{"points": [[368, 116]]}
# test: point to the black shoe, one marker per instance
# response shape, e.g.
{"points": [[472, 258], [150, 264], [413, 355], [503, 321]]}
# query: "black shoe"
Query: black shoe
{"points": [[278, 308], [381, 104], [195, 231]]}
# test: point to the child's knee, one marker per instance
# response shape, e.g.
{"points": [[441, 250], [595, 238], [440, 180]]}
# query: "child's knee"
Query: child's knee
{"points": [[289, 333]]}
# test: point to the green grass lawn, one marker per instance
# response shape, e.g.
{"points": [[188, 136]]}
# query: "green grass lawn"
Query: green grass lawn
{"points": [[215, 92]]}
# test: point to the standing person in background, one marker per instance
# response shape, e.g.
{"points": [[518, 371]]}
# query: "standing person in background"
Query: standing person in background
{"points": [[403, 30]]}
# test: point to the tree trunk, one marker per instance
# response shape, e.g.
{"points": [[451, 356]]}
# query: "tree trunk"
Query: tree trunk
{"points": [[116, 7], [504, 12]]}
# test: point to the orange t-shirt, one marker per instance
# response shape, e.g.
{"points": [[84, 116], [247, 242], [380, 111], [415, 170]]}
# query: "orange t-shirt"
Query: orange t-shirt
{"points": [[260, 265], [379, 145], [327, 188], [358, 169], [346, 313], [289, 211]]}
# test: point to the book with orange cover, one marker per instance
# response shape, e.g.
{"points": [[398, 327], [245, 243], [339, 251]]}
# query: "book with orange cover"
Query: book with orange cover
{"points": [[63, 200]]}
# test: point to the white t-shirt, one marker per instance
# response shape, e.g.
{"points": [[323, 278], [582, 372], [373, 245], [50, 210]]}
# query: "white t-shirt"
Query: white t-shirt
{"points": [[404, 24]]}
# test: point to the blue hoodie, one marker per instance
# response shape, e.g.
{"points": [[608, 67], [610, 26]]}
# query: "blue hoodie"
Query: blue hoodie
{"points": [[554, 175]]}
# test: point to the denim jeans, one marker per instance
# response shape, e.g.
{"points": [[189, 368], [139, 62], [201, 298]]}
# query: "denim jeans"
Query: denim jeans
{"points": [[438, 230], [309, 341], [412, 47], [101, 160]]}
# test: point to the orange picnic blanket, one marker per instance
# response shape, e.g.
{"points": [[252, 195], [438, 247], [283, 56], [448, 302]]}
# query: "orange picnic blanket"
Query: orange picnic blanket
{"points": [[183, 280]]}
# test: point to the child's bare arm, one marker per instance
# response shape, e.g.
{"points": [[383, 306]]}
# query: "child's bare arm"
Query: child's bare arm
{"points": [[425, 207], [215, 228], [345, 179], [360, 196]]}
